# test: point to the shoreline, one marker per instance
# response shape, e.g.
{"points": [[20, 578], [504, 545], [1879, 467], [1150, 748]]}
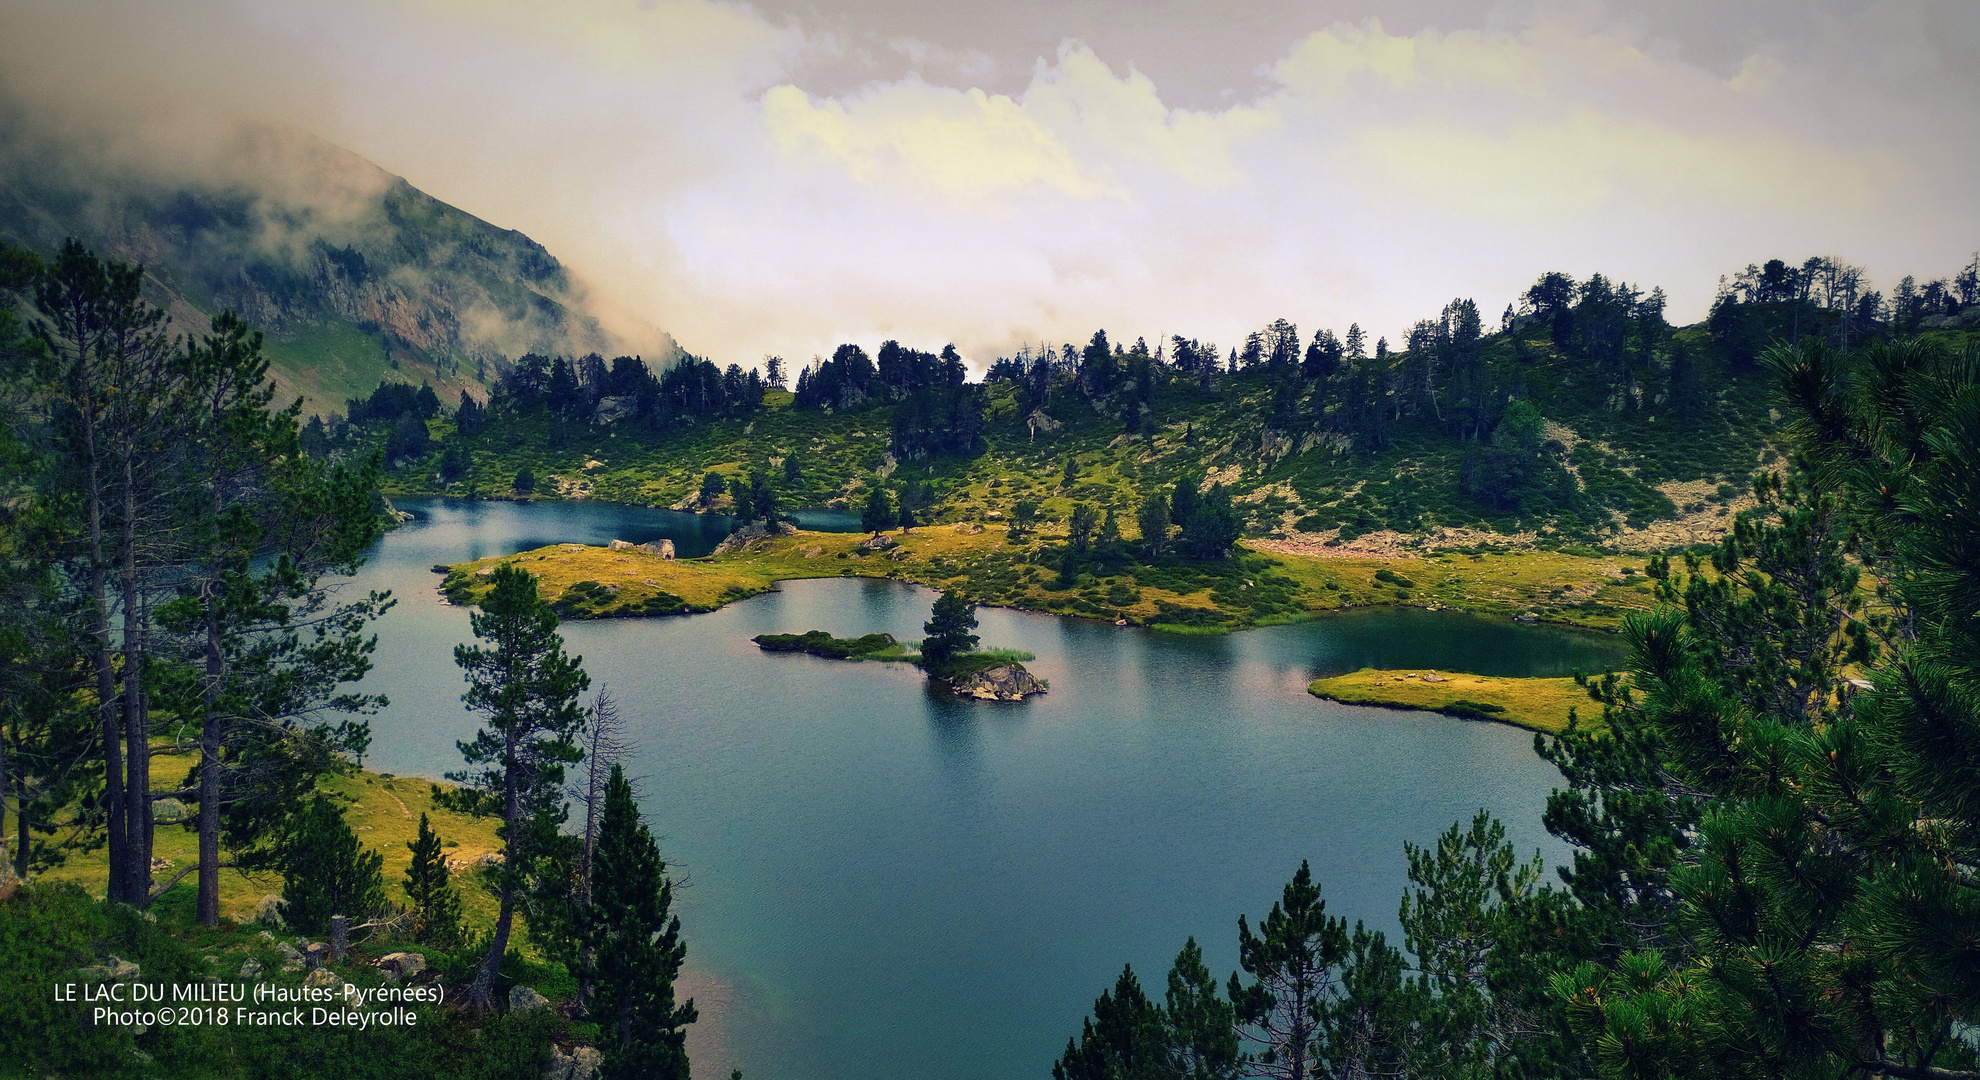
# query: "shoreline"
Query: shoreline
{"points": [[1261, 586]]}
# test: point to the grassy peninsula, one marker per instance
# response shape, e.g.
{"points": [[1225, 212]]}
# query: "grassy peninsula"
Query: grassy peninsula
{"points": [[1539, 704]]}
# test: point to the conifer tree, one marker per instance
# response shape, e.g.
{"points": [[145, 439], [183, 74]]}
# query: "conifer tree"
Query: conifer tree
{"points": [[948, 629], [526, 690], [1154, 521], [325, 870], [878, 512], [636, 944], [436, 906], [1292, 962]]}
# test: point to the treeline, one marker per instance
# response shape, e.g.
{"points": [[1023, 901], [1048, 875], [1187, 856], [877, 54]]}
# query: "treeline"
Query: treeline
{"points": [[1774, 834], [169, 545]]}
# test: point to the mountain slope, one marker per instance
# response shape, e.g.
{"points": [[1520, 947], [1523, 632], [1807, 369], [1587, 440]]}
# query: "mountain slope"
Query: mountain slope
{"points": [[355, 275]]}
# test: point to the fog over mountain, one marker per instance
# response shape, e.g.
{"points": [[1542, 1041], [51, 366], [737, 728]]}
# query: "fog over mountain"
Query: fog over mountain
{"points": [[782, 176], [350, 270]]}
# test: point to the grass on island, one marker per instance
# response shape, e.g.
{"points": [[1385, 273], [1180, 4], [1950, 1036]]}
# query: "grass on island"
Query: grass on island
{"points": [[1250, 589], [384, 810], [1539, 704]]}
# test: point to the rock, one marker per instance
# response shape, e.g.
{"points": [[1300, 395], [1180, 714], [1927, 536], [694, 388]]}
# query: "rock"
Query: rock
{"points": [[324, 977], [748, 534], [877, 543], [968, 528], [269, 912], [289, 953], [571, 547], [168, 811], [611, 410], [266, 936], [315, 954], [403, 964], [620, 545], [490, 858], [1005, 682], [486, 571], [1431, 676], [122, 969], [250, 968], [580, 1064], [524, 999], [662, 548]]}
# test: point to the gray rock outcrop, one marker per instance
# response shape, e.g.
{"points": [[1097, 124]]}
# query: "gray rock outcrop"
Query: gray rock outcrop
{"points": [[1005, 682], [526, 999], [580, 1064]]}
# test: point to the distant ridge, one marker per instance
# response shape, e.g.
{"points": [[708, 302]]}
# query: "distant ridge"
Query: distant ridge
{"points": [[355, 275]]}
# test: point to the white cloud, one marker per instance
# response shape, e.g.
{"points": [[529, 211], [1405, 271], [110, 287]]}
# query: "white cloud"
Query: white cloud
{"points": [[673, 153]]}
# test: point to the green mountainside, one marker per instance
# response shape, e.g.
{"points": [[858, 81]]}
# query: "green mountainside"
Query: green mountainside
{"points": [[355, 275], [1583, 420]]}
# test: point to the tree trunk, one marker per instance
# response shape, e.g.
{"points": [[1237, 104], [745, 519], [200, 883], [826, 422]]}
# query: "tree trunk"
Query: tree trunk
{"points": [[137, 740], [106, 676], [482, 994], [209, 762]]}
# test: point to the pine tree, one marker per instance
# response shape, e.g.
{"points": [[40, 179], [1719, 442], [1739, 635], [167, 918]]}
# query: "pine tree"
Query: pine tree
{"points": [[878, 512], [436, 906], [636, 942], [1154, 521], [1291, 961], [326, 871], [526, 690], [948, 629]]}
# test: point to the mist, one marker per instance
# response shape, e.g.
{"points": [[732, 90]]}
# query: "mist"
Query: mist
{"points": [[775, 181]]}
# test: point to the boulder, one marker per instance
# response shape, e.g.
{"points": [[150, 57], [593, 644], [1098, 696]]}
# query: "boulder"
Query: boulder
{"points": [[1005, 682], [620, 545], [611, 410], [968, 528], [250, 969], [403, 964], [315, 954], [580, 1064], [122, 969], [486, 571], [662, 548], [268, 912], [325, 978], [754, 531], [524, 999], [877, 543], [1431, 676]]}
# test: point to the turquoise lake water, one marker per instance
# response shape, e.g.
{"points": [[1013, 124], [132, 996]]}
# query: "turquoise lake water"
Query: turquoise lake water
{"points": [[883, 883]]}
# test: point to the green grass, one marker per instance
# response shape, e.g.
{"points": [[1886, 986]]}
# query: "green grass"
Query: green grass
{"points": [[1538, 704]]}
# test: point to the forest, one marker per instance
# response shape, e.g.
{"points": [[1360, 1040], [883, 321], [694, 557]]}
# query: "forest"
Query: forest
{"points": [[1771, 809]]}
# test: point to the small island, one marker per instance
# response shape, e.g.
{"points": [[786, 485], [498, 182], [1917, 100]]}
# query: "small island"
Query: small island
{"points": [[949, 654]]}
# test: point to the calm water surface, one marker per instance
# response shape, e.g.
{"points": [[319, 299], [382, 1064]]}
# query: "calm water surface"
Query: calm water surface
{"points": [[886, 884]]}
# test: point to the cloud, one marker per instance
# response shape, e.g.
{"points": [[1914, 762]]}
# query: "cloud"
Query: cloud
{"points": [[691, 164]]}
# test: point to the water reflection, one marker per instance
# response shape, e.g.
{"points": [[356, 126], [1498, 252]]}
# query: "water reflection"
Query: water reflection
{"points": [[889, 883]]}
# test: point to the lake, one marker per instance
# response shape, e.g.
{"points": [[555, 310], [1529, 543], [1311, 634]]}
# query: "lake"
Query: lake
{"points": [[884, 883]]}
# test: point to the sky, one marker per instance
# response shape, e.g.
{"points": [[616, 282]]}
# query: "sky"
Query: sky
{"points": [[781, 176]]}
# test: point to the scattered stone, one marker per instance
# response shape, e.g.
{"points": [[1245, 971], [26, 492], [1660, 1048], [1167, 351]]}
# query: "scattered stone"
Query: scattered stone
{"points": [[968, 528], [581, 1063], [620, 545], [1431, 676], [571, 547], [486, 571], [877, 543], [324, 977], [1005, 682], [250, 969], [524, 999], [158, 863], [269, 912], [403, 964]]}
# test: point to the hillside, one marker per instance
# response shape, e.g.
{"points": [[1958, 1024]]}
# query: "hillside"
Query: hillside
{"points": [[355, 275]]}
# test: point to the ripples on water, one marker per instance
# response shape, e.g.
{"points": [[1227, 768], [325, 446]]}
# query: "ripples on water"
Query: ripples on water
{"points": [[887, 883]]}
